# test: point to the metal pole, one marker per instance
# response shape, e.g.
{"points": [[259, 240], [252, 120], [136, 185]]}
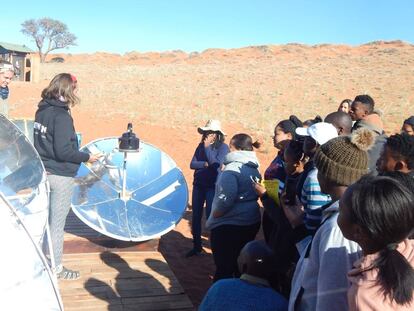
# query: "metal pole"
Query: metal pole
{"points": [[125, 177]]}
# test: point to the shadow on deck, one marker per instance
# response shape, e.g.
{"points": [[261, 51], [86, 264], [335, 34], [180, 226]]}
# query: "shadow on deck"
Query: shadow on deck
{"points": [[117, 275]]}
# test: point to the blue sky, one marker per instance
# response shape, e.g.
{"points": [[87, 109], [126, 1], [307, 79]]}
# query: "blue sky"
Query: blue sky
{"points": [[189, 25]]}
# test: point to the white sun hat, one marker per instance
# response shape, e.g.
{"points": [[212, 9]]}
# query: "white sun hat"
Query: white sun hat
{"points": [[321, 132], [211, 125]]}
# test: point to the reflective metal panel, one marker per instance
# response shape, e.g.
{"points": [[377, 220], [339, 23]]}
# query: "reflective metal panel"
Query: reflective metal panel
{"points": [[26, 281], [26, 127], [130, 196], [22, 178]]}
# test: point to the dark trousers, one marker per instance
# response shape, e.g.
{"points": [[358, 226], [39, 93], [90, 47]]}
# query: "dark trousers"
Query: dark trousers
{"points": [[226, 243], [268, 226], [200, 195]]}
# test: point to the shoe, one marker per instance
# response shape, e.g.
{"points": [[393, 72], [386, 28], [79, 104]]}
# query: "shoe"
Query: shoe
{"points": [[67, 274], [193, 252]]}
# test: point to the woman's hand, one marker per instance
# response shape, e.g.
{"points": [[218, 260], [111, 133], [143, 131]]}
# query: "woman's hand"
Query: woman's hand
{"points": [[259, 189], [209, 139], [294, 213], [94, 157]]}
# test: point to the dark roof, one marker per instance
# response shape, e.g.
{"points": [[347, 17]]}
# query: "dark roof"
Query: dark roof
{"points": [[15, 47]]}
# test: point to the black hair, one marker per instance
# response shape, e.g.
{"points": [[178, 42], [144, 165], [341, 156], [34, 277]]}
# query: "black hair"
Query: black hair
{"points": [[244, 142], [257, 259], [311, 122], [341, 120], [367, 101], [409, 121], [290, 125], [402, 146], [219, 138], [382, 206], [407, 180], [295, 149]]}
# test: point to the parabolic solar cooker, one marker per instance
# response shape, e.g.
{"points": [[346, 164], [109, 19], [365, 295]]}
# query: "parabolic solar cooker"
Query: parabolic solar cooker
{"points": [[134, 192]]}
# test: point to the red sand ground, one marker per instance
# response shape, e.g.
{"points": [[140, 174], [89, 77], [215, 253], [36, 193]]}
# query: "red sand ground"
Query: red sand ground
{"points": [[167, 95]]}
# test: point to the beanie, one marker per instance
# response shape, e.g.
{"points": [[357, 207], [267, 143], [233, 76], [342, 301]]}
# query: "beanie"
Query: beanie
{"points": [[344, 159]]}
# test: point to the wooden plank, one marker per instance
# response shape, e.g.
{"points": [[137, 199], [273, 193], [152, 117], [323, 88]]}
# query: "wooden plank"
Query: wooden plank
{"points": [[113, 255], [172, 302], [122, 281]]}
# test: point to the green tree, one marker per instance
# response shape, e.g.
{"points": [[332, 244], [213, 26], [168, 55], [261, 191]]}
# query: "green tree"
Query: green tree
{"points": [[48, 34]]}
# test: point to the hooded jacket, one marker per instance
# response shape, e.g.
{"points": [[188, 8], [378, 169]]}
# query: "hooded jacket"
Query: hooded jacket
{"points": [[55, 138], [320, 280], [234, 195], [365, 293], [380, 139]]}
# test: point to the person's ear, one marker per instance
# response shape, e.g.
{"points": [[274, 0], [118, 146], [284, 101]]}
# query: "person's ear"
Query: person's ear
{"points": [[401, 166], [290, 136], [340, 131]]}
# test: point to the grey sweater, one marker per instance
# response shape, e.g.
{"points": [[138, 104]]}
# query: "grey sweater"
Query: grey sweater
{"points": [[235, 196]]}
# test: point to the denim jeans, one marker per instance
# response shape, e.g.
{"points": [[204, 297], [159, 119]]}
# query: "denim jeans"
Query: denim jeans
{"points": [[200, 195]]}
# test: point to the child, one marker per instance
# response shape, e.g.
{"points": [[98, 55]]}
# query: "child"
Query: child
{"points": [[377, 213], [284, 132], [320, 281], [397, 154], [408, 126], [252, 291], [362, 106], [281, 239], [235, 214], [308, 186]]}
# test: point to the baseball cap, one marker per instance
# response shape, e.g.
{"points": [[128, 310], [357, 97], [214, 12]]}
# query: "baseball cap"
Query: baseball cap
{"points": [[321, 132]]}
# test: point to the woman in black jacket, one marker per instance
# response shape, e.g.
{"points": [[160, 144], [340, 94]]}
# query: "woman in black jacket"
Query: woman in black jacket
{"points": [[56, 142]]}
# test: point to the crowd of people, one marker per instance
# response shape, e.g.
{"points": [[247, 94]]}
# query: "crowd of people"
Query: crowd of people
{"points": [[337, 220], [336, 206]]}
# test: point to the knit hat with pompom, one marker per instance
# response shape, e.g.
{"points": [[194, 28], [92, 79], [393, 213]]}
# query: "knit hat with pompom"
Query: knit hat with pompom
{"points": [[344, 159]]}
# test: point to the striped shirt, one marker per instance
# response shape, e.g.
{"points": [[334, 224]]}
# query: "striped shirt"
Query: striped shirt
{"points": [[313, 199]]}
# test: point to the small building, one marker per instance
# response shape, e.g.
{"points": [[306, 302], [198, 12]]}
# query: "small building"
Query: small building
{"points": [[26, 62]]}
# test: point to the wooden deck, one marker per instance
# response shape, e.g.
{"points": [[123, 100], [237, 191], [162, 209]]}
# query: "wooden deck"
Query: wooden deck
{"points": [[117, 275]]}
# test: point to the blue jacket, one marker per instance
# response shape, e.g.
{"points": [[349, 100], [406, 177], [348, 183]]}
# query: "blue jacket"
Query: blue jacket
{"points": [[206, 176], [234, 195], [236, 294]]}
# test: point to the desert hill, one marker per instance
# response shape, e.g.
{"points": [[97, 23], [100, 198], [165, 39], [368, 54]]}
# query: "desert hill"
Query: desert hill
{"points": [[248, 89]]}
